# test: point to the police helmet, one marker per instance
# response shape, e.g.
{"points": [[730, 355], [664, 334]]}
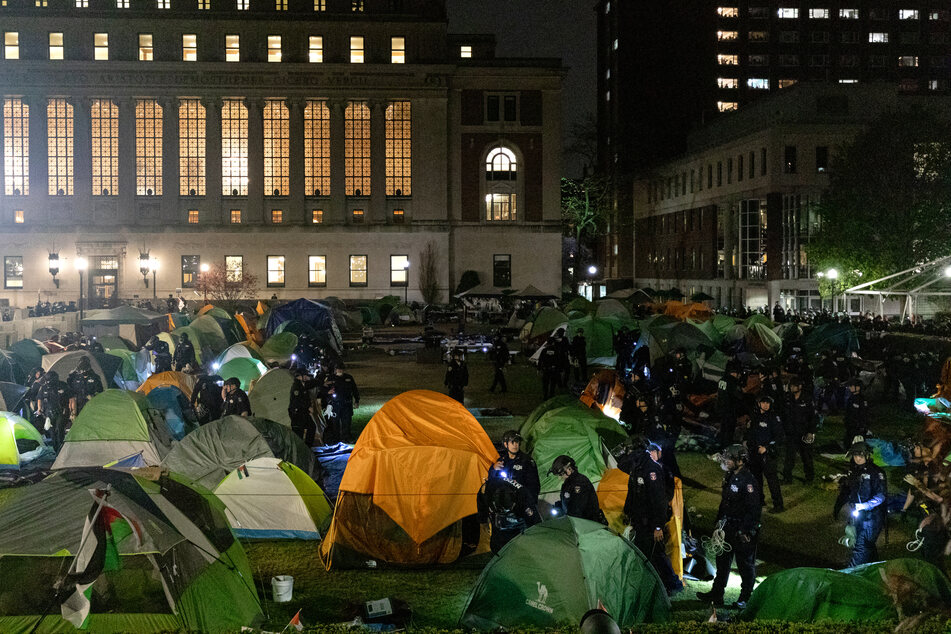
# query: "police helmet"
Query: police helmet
{"points": [[860, 448], [764, 398], [184, 336], [561, 463], [736, 453], [501, 496], [511, 436]]}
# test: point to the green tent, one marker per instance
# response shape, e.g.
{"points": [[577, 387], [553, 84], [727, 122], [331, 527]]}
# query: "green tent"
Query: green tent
{"points": [[28, 353], [583, 433], [114, 342], [557, 402], [279, 347], [270, 395], [662, 337], [243, 350], [10, 370], [244, 369], [209, 333], [832, 336], [127, 374], [371, 317], [115, 424], [402, 314], [788, 331], [763, 340], [583, 565], [14, 429], [580, 304], [759, 318], [853, 594], [612, 308], [170, 561], [545, 321], [599, 334]]}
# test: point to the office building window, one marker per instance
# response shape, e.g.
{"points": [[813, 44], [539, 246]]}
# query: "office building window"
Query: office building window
{"points": [[762, 162], [849, 14], [16, 147], [784, 13], [758, 37], [320, 5], [56, 46], [465, 52], [356, 5], [101, 46], [358, 270], [399, 270], [727, 106], [739, 168], [18, 217], [81, 4], [907, 14], [234, 268], [908, 61], [819, 14], [719, 173], [148, 148], [191, 268], [145, 47], [234, 148], [789, 160], [204, 5], [236, 216], [357, 149], [243, 5], [357, 216], [232, 48], [316, 148], [728, 12], [755, 83], [356, 49], [315, 49], [191, 147], [277, 216], [822, 158], [317, 216], [193, 216], [276, 119], [728, 60], [59, 147], [878, 38], [273, 48], [727, 36], [398, 217], [317, 270], [280, 5], [40, 3], [122, 4], [13, 271], [501, 270], [727, 82], [11, 45], [105, 147], [399, 150], [189, 47], [164, 4], [398, 50]]}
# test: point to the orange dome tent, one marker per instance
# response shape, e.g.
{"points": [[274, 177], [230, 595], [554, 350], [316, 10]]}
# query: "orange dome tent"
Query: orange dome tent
{"points": [[606, 392], [412, 477], [184, 382]]}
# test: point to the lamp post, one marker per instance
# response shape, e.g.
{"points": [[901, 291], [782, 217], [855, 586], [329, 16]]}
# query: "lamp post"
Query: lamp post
{"points": [[406, 281], [204, 268], [592, 271], [81, 265], [144, 267], [54, 266], [153, 266]]}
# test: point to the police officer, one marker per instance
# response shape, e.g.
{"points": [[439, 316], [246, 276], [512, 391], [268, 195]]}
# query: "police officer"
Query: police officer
{"points": [[799, 423], [579, 355], [764, 440], [457, 376], [344, 397], [184, 353], [862, 491], [206, 398], [516, 465], [500, 359], [235, 399], [83, 384], [563, 347], [729, 404], [647, 510], [508, 507], [664, 430], [162, 359], [548, 364], [300, 406], [638, 417], [739, 515], [53, 404], [856, 414], [577, 497]]}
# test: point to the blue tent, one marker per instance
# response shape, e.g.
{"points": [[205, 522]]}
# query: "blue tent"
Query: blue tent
{"points": [[316, 315], [175, 406]]}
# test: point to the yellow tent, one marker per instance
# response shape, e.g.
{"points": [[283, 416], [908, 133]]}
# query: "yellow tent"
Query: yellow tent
{"points": [[412, 477], [184, 382]]}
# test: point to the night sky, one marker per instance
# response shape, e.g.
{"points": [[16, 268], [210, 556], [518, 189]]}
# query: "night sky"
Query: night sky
{"points": [[541, 28]]}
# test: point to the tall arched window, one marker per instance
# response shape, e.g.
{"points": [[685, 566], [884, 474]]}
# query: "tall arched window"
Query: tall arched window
{"points": [[501, 171]]}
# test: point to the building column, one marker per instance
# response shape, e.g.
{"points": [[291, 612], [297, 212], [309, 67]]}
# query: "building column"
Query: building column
{"points": [[170, 166], [338, 162], [296, 212], [127, 162], [82, 160], [215, 213], [377, 211], [39, 165], [729, 231], [256, 193]]}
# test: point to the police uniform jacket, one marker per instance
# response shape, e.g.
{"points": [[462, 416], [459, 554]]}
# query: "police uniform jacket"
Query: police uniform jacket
{"points": [[646, 503], [579, 499], [236, 403], [517, 518], [729, 396], [799, 416], [521, 469], [300, 395], [766, 430], [740, 502], [345, 390], [457, 374], [548, 359], [866, 485], [856, 411], [579, 347], [500, 353], [85, 384], [54, 398], [184, 353]]}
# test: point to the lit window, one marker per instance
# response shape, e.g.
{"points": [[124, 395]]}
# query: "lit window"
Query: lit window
{"points": [[399, 217], [204, 5], [399, 270], [759, 36], [243, 5], [317, 216], [755, 83], [501, 165], [315, 49], [399, 149], [11, 45], [465, 52], [320, 5], [16, 147], [784, 13], [907, 14], [398, 50], [191, 266], [234, 268], [848, 81], [148, 148], [273, 48], [785, 83], [56, 46], [280, 5], [728, 12], [234, 148], [849, 14], [878, 38], [122, 4], [356, 49], [13, 271], [316, 148], [276, 121], [726, 106], [727, 82], [59, 147], [191, 148], [908, 61], [145, 47], [189, 47], [18, 217], [193, 216], [81, 4], [275, 270], [727, 36], [501, 170], [40, 3], [232, 48], [727, 60], [607, 8], [819, 14], [938, 84], [236, 216], [357, 216], [101, 46], [356, 5], [277, 216], [501, 270], [358, 270], [317, 270], [500, 206], [357, 149], [164, 4], [105, 148]]}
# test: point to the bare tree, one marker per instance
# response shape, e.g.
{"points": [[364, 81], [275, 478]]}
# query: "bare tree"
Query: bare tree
{"points": [[227, 288], [429, 273]]}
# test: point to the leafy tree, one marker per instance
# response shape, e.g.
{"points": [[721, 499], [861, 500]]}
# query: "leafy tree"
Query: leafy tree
{"points": [[888, 206], [227, 288], [585, 206], [429, 273]]}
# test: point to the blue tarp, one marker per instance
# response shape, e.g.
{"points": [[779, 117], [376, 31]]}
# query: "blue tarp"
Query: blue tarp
{"points": [[317, 316], [333, 461]]}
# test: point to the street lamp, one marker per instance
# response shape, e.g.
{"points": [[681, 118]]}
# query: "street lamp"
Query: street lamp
{"points": [[54, 266], [592, 270], [406, 281], [153, 266], [81, 265], [144, 267]]}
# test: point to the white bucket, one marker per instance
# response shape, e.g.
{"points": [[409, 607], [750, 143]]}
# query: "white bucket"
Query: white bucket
{"points": [[282, 587]]}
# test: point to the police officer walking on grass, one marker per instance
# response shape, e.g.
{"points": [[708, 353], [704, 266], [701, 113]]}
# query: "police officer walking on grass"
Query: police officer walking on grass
{"points": [[457, 376], [739, 517], [508, 507], [862, 491], [53, 404], [799, 422], [548, 364], [500, 359], [83, 384], [579, 355], [235, 399], [763, 441], [856, 416], [344, 397], [514, 464], [300, 406], [577, 497]]}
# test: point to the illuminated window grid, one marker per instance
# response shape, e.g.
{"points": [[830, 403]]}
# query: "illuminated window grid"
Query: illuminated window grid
{"points": [[317, 270], [16, 147], [189, 47], [317, 216], [148, 148], [18, 217], [101, 46], [320, 5], [500, 207], [56, 46], [59, 147], [191, 148], [399, 270], [274, 48], [82, 4], [358, 270], [204, 5], [164, 4], [357, 216], [399, 143], [40, 3], [122, 4], [357, 149], [399, 216], [243, 5], [236, 216], [234, 268], [315, 49], [232, 48], [280, 5], [193, 216], [145, 47], [277, 216], [11, 45], [465, 52], [356, 5], [275, 270], [356, 49], [105, 148], [234, 148], [276, 120], [398, 50], [316, 148]]}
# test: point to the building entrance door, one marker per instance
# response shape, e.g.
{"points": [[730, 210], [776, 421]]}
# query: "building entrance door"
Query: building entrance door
{"points": [[103, 281]]}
